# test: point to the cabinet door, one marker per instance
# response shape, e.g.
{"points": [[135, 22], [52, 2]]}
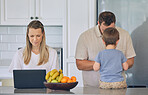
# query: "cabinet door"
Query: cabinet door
{"points": [[80, 16], [73, 71], [77, 22], [16, 12], [50, 12]]}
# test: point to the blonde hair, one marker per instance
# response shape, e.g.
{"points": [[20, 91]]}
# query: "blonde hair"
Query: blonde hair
{"points": [[44, 52]]}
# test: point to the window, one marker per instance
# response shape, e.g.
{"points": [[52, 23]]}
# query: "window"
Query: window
{"points": [[132, 15]]}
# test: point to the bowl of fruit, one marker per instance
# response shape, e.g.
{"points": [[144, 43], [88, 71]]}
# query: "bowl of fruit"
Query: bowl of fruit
{"points": [[55, 80]]}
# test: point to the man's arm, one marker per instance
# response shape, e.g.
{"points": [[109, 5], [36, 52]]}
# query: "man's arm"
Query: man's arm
{"points": [[84, 64], [130, 62]]}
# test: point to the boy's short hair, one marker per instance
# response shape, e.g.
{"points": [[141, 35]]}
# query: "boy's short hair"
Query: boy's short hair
{"points": [[110, 36]]}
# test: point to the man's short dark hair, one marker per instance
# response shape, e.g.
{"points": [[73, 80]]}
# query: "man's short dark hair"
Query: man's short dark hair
{"points": [[110, 36], [107, 17]]}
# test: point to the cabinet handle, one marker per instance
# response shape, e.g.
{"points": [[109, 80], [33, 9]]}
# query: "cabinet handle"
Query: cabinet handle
{"points": [[36, 18], [31, 17]]}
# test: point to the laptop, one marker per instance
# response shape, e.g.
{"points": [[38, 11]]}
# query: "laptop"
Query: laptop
{"points": [[29, 78]]}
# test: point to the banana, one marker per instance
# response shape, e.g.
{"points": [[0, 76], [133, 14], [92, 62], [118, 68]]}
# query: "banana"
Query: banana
{"points": [[60, 71], [57, 78], [47, 75], [55, 75], [53, 71], [49, 80], [60, 77]]}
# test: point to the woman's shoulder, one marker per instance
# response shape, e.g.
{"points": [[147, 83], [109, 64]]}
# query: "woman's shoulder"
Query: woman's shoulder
{"points": [[51, 49], [19, 53], [20, 50]]}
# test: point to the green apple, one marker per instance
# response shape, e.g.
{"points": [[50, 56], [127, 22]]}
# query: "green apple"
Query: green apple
{"points": [[54, 81]]}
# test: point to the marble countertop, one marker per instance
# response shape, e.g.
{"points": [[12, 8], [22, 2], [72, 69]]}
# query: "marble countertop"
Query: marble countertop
{"points": [[76, 90]]}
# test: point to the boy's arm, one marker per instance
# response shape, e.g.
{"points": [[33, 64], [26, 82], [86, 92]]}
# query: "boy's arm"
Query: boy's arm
{"points": [[96, 66], [125, 66]]}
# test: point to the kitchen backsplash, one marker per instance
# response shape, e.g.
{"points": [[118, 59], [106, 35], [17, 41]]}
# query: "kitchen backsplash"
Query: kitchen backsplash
{"points": [[13, 37]]}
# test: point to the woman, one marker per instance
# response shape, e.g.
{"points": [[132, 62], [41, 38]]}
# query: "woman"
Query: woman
{"points": [[36, 54]]}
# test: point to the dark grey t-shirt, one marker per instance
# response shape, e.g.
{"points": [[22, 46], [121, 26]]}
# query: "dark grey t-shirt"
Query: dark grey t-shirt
{"points": [[111, 65]]}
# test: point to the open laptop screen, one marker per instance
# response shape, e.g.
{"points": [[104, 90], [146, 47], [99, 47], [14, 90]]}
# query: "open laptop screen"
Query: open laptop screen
{"points": [[29, 78]]}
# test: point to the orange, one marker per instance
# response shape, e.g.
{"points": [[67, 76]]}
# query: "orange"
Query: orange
{"points": [[69, 81], [64, 80], [73, 78], [66, 77]]}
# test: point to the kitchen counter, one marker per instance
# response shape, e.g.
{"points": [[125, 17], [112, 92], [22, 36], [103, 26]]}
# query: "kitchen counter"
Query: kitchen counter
{"points": [[76, 90]]}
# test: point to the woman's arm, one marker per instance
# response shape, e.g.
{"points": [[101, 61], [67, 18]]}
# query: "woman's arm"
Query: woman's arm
{"points": [[16, 61], [55, 62]]}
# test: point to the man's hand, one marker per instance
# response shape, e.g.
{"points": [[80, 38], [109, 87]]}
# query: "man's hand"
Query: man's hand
{"points": [[130, 62]]}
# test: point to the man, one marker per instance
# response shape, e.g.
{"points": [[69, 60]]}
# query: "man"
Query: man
{"points": [[90, 43]]}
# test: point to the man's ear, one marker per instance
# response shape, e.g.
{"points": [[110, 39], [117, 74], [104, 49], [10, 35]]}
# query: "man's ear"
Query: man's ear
{"points": [[103, 41], [98, 23], [117, 42]]}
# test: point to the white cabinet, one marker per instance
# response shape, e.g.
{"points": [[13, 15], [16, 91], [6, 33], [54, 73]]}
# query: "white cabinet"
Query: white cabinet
{"points": [[80, 16], [21, 12]]}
